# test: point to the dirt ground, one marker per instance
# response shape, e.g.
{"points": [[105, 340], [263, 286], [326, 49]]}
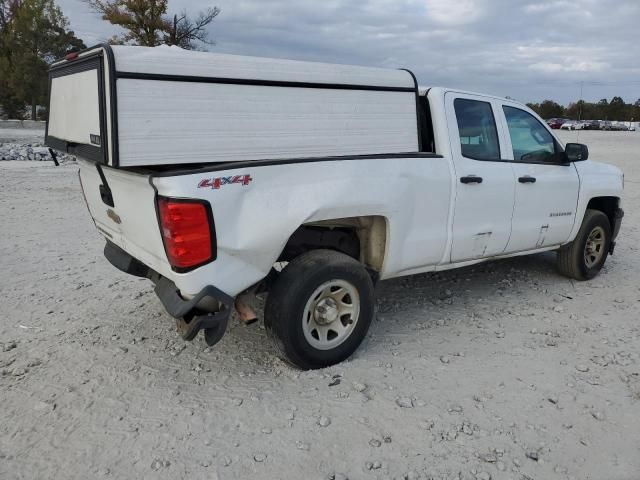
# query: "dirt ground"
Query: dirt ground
{"points": [[501, 371]]}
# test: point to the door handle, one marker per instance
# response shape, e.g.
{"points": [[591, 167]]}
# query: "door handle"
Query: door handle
{"points": [[471, 179], [527, 179]]}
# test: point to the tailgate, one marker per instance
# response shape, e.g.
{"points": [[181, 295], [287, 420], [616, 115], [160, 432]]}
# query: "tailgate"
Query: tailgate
{"points": [[132, 222]]}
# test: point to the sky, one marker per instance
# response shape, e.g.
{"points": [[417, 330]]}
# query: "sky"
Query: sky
{"points": [[527, 50]]}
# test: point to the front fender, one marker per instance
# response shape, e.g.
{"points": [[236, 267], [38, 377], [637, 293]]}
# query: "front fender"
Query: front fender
{"points": [[596, 180]]}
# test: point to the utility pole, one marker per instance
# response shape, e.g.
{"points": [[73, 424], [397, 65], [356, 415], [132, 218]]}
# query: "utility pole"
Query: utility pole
{"points": [[581, 101]]}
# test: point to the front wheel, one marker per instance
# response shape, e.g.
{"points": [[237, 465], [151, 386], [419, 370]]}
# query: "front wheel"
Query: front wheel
{"points": [[319, 309], [583, 258]]}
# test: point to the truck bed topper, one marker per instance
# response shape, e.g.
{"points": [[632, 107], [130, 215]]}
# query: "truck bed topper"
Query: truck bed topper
{"points": [[138, 106]]}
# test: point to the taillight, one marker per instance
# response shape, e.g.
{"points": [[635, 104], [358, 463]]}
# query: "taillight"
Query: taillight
{"points": [[187, 232]]}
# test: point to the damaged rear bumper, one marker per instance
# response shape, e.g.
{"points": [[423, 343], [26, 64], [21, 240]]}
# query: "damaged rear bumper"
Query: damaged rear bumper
{"points": [[208, 310]]}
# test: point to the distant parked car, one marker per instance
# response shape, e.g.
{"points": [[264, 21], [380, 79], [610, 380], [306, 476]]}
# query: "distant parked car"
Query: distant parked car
{"points": [[632, 127], [605, 125], [591, 125], [572, 125], [619, 127], [556, 123]]}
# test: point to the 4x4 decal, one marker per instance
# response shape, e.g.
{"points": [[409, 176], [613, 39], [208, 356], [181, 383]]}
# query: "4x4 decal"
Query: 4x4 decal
{"points": [[217, 182]]}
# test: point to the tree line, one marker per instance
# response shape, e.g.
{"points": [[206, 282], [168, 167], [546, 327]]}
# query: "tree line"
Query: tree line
{"points": [[615, 110], [34, 33]]}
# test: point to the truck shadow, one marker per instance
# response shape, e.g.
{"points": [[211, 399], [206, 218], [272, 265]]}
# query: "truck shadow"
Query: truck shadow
{"points": [[477, 280], [407, 305], [457, 298]]}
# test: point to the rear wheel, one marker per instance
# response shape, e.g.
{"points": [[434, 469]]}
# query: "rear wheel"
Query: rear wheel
{"points": [[319, 309], [583, 258]]}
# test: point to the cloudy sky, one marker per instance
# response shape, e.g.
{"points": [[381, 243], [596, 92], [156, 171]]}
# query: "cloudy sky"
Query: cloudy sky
{"points": [[525, 49]]}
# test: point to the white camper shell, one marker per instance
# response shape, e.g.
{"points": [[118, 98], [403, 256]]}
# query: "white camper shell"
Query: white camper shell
{"points": [[134, 106]]}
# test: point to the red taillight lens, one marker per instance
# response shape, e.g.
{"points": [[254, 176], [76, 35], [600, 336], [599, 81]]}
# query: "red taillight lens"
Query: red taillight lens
{"points": [[186, 232]]}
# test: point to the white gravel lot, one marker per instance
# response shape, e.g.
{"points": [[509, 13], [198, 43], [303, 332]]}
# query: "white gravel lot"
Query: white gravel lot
{"points": [[501, 371]]}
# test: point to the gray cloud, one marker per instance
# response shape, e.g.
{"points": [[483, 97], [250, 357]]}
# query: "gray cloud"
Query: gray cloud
{"points": [[529, 50]]}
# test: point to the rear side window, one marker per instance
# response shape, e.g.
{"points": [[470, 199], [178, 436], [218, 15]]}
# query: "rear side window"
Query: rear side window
{"points": [[531, 142], [477, 129]]}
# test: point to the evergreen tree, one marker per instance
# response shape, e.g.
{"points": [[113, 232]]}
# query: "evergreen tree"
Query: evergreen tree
{"points": [[33, 35]]}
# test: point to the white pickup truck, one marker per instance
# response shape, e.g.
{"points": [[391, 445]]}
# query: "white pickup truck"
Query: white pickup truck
{"points": [[222, 177]]}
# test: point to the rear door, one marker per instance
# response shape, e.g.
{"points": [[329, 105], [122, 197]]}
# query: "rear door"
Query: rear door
{"points": [[77, 110], [546, 188], [484, 181]]}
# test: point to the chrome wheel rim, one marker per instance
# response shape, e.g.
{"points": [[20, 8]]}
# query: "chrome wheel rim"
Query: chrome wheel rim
{"points": [[331, 314], [594, 247]]}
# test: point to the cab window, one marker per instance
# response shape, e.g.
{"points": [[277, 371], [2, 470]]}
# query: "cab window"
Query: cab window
{"points": [[477, 129], [531, 142]]}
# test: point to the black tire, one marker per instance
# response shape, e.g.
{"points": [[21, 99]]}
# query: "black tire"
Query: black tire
{"points": [[572, 260], [288, 297]]}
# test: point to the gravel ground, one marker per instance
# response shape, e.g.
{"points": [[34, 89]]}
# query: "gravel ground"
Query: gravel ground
{"points": [[500, 371]]}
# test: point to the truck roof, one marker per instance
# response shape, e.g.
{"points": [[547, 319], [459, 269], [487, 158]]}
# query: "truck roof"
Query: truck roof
{"points": [[165, 60], [442, 90]]}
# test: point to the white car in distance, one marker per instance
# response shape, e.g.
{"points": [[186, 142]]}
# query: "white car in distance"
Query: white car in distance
{"points": [[572, 126]]}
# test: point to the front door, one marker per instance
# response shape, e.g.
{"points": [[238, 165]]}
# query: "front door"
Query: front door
{"points": [[484, 181], [546, 186]]}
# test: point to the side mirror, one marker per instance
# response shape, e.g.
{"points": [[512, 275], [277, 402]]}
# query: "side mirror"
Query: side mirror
{"points": [[576, 152]]}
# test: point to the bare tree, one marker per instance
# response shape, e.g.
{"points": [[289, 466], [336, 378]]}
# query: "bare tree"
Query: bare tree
{"points": [[146, 23], [184, 32]]}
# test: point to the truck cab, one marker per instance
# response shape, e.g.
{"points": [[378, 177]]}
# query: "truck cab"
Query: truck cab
{"points": [[508, 160]]}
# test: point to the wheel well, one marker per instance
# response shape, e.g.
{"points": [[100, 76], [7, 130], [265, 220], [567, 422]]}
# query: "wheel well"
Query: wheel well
{"points": [[607, 205], [363, 238]]}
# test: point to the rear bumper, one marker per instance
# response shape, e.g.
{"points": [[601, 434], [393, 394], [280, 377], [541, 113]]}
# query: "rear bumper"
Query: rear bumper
{"points": [[208, 310]]}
